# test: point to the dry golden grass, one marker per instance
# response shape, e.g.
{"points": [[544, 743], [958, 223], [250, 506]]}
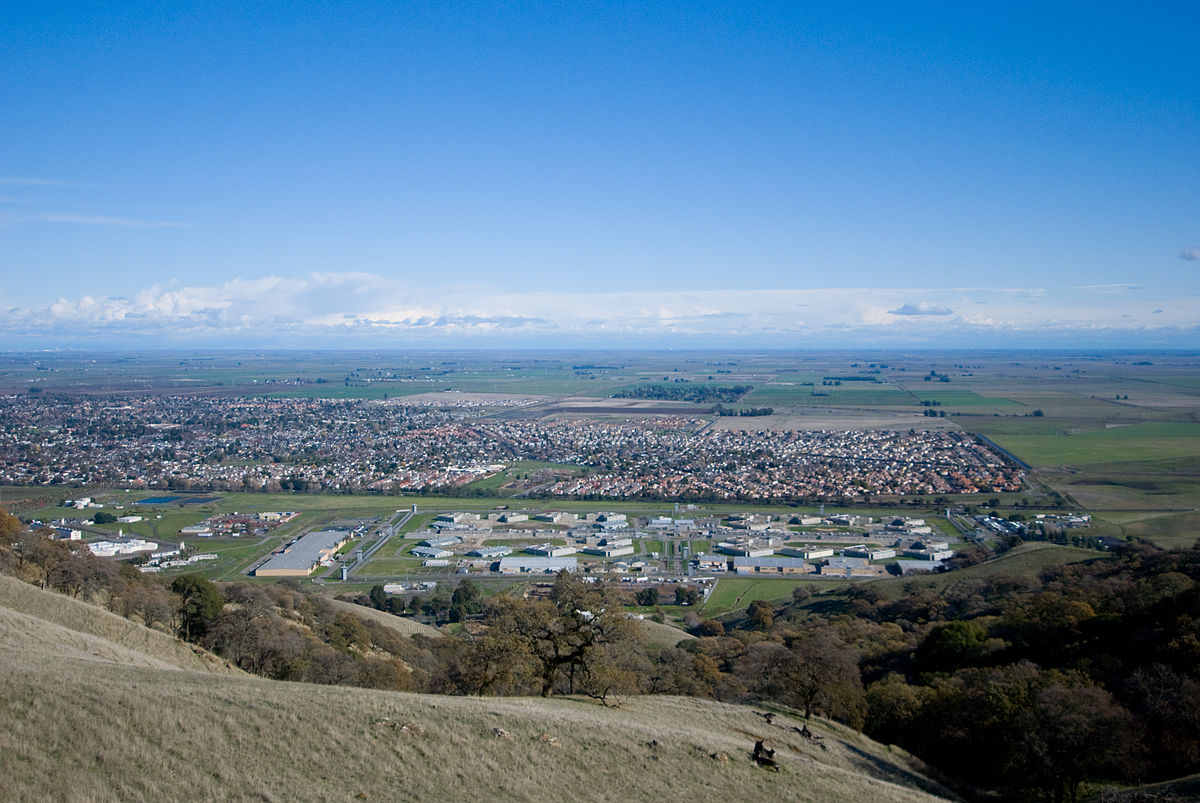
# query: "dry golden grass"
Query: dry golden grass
{"points": [[663, 635], [79, 726], [88, 627], [402, 625]]}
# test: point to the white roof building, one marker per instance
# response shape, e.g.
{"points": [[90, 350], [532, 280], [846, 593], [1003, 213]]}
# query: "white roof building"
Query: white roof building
{"points": [[109, 549], [534, 565]]}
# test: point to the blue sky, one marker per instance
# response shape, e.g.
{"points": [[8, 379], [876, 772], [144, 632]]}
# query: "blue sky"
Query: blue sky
{"points": [[547, 174]]}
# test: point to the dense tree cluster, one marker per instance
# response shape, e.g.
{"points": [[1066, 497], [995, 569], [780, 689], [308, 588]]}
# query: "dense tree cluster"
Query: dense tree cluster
{"points": [[1032, 685], [741, 412], [686, 392]]}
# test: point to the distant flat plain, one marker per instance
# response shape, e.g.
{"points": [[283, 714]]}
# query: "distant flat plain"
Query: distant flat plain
{"points": [[1117, 433]]}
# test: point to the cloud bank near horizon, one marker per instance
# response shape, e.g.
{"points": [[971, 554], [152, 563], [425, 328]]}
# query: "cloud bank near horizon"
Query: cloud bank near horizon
{"points": [[368, 310]]}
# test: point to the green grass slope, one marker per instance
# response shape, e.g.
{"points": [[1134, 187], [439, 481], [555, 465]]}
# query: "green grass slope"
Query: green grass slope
{"points": [[79, 725]]}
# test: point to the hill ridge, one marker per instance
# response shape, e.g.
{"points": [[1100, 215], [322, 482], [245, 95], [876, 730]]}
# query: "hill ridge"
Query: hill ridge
{"points": [[84, 717], [23, 603]]}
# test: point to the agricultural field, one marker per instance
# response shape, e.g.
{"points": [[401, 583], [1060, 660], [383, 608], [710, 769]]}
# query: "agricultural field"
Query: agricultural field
{"points": [[850, 395], [964, 398], [1109, 433], [1113, 443]]}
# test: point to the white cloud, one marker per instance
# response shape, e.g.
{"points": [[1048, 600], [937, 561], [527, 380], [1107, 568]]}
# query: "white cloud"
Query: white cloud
{"points": [[921, 308], [1118, 287], [91, 220], [1190, 254], [369, 310]]}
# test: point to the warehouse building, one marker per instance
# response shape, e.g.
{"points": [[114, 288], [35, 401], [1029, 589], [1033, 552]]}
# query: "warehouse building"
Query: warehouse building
{"points": [[301, 557], [550, 550], [608, 551], [869, 552], [773, 565], [490, 552], [524, 565], [431, 552], [807, 552], [441, 540]]}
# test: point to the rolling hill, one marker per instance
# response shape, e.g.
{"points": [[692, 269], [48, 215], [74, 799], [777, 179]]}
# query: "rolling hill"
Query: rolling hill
{"points": [[402, 625], [94, 710]]}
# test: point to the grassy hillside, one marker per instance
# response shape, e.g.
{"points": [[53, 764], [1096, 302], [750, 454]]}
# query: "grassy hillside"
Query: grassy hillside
{"points": [[28, 613], [663, 635], [82, 722], [1025, 560], [402, 625]]}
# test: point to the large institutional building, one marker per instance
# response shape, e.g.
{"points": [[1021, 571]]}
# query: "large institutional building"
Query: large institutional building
{"points": [[304, 555]]}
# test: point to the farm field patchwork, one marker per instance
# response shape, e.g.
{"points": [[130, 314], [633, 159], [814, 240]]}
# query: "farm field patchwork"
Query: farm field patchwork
{"points": [[1117, 432]]}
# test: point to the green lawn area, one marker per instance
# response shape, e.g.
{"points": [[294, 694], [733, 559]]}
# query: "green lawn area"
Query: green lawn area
{"points": [[738, 592], [494, 482], [396, 548], [1152, 440], [555, 541], [155, 529], [393, 548], [417, 522], [377, 567]]}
